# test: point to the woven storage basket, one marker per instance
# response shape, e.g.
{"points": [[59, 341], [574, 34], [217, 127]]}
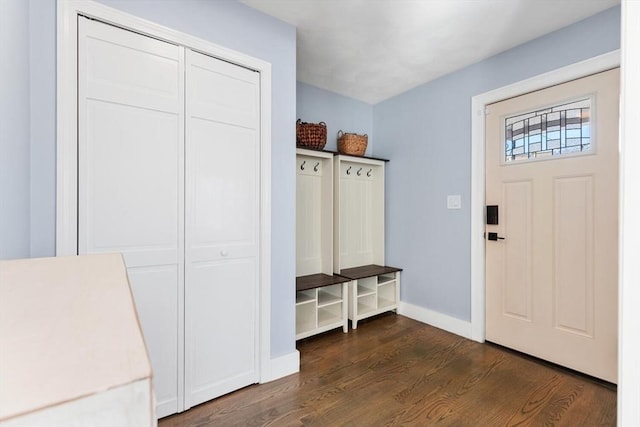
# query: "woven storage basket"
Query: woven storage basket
{"points": [[311, 135], [352, 143]]}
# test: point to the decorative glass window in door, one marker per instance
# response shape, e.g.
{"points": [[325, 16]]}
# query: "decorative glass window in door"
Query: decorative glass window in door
{"points": [[553, 131]]}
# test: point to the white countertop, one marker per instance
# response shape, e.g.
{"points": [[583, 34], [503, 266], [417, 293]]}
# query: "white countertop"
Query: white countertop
{"points": [[68, 329]]}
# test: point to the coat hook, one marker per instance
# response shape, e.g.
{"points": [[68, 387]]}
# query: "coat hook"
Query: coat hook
{"points": [[315, 168], [369, 173], [359, 171], [302, 165], [349, 171]]}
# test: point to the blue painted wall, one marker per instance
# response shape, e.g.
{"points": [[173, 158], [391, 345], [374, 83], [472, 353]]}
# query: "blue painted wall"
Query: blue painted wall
{"points": [[426, 132], [42, 74], [28, 111], [14, 130], [338, 112]]}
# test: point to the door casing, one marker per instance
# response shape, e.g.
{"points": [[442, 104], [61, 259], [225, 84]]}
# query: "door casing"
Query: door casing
{"points": [[479, 103], [67, 136]]}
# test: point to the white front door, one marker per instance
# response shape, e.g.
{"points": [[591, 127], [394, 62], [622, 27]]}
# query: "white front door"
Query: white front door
{"points": [[222, 227], [551, 259], [130, 179]]}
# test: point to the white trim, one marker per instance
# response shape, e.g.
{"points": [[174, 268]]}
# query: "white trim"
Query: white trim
{"points": [[66, 132], [478, 104], [265, 225], [436, 319], [67, 185], [282, 366], [629, 268]]}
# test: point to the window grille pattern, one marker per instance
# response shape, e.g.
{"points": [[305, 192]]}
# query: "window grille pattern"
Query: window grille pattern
{"points": [[553, 131]]}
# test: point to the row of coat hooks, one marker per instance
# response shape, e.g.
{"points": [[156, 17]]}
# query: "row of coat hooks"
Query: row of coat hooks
{"points": [[359, 172], [315, 168]]}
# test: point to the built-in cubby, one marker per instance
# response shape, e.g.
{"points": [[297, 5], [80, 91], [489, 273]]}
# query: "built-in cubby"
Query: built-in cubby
{"points": [[373, 289], [321, 304]]}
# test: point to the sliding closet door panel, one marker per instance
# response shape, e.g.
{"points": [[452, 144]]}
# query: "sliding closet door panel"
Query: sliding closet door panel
{"points": [[222, 223], [130, 180]]}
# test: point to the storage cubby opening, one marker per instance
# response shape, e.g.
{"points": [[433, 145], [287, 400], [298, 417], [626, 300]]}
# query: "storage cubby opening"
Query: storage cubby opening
{"points": [[386, 278], [386, 296], [366, 285], [329, 295], [329, 315], [366, 304], [305, 318], [305, 297]]}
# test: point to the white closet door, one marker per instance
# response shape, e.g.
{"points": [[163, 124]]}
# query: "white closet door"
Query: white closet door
{"points": [[130, 180], [222, 225]]}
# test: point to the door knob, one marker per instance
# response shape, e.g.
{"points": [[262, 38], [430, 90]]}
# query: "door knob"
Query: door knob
{"points": [[224, 252], [494, 236]]}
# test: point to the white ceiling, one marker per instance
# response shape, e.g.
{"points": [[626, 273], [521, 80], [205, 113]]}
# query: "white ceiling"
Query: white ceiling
{"points": [[372, 50]]}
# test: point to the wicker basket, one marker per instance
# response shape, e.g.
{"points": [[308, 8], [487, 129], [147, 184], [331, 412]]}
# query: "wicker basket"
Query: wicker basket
{"points": [[352, 143], [311, 135]]}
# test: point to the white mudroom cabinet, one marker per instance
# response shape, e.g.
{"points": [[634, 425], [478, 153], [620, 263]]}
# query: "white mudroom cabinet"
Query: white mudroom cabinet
{"points": [[321, 296], [359, 237], [169, 176], [340, 268]]}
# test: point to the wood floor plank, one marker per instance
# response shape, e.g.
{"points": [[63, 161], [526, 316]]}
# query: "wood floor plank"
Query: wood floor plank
{"points": [[394, 371]]}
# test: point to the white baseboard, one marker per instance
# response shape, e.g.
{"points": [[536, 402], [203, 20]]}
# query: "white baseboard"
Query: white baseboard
{"points": [[436, 319], [282, 366]]}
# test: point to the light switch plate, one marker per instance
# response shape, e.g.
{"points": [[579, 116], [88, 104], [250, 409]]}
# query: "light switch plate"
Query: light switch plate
{"points": [[453, 202]]}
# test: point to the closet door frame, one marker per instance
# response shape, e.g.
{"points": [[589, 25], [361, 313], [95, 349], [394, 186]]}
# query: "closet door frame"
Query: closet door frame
{"points": [[67, 137]]}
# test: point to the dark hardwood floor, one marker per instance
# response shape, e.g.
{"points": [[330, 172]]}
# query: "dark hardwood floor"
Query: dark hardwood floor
{"points": [[394, 371]]}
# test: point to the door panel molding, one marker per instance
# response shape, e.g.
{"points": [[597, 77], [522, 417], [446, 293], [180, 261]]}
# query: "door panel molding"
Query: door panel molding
{"points": [[479, 103], [518, 198], [573, 254]]}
